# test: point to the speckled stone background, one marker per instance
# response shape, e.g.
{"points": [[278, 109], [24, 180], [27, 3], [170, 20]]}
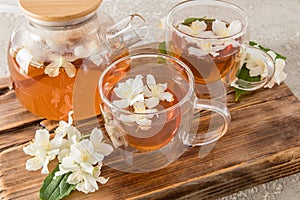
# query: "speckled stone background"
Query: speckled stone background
{"points": [[274, 24]]}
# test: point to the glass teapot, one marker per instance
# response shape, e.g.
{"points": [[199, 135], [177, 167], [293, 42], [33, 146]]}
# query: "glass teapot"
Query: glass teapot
{"points": [[48, 48]]}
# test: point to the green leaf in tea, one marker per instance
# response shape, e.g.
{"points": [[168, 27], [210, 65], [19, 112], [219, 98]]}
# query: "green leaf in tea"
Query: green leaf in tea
{"points": [[190, 20], [55, 189], [244, 74], [162, 48]]}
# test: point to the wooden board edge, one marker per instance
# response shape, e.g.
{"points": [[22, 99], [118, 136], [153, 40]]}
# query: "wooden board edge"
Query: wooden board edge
{"points": [[232, 179], [4, 82]]}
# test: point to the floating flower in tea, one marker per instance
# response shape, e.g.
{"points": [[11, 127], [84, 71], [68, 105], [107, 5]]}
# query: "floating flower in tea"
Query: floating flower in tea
{"points": [[58, 62], [23, 58], [196, 28], [209, 29], [156, 92], [134, 93], [129, 92], [222, 29], [143, 121], [256, 67]]}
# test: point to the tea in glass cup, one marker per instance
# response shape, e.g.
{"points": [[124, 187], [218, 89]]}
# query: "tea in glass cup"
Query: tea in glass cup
{"points": [[149, 109], [209, 36]]}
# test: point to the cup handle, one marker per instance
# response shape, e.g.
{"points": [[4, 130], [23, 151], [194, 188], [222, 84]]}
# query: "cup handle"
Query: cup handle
{"points": [[213, 134], [246, 85]]}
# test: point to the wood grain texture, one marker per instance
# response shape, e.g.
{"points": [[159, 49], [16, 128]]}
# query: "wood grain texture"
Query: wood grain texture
{"points": [[262, 144], [58, 10]]}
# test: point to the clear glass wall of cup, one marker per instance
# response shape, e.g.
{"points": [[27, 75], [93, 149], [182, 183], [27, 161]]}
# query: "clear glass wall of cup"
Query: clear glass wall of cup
{"points": [[48, 48], [211, 37], [148, 111]]}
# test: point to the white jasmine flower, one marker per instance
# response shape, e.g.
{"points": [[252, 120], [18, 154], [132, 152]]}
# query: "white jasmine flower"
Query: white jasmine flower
{"points": [[23, 58], [58, 62], [72, 133], [206, 48], [100, 147], [84, 153], [88, 182], [220, 28], [272, 54], [155, 92], [81, 160], [198, 52], [63, 126], [43, 149], [111, 127], [84, 176], [73, 136], [115, 135], [211, 47], [129, 92], [85, 161], [257, 67], [85, 50], [197, 27], [143, 121], [185, 29], [279, 74]]}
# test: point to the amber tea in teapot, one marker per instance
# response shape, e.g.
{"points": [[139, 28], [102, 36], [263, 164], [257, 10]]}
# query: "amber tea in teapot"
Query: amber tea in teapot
{"points": [[48, 50]]}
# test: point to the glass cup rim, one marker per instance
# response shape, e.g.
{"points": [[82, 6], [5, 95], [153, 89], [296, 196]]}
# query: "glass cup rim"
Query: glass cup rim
{"points": [[188, 94], [205, 2]]}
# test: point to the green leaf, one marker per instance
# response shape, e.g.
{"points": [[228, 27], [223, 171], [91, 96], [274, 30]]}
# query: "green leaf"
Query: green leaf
{"points": [[189, 21], [162, 48], [55, 189], [252, 43], [244, 74], [238, 93]]}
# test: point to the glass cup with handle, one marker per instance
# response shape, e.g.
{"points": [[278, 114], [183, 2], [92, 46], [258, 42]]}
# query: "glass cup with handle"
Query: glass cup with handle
{"points": [[212, 38], [148, 110]]}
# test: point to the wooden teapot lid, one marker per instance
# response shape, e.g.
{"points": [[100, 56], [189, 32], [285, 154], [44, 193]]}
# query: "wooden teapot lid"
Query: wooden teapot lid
{"points": [[58, 10]]}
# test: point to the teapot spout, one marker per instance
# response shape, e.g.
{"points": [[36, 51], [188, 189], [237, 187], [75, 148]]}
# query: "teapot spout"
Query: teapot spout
{"points": [[126, 33]]}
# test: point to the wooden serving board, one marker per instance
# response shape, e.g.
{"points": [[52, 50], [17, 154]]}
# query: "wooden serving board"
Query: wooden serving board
{"points": [[262, 144]]}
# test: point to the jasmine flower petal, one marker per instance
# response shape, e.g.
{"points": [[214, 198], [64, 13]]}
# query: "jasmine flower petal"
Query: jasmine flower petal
{"points": [[152, 102], [122, 103], [34, 163]]}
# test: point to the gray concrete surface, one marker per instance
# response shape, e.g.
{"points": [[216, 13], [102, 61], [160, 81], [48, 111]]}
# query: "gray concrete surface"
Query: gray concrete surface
{"points": [[274, 24]]}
